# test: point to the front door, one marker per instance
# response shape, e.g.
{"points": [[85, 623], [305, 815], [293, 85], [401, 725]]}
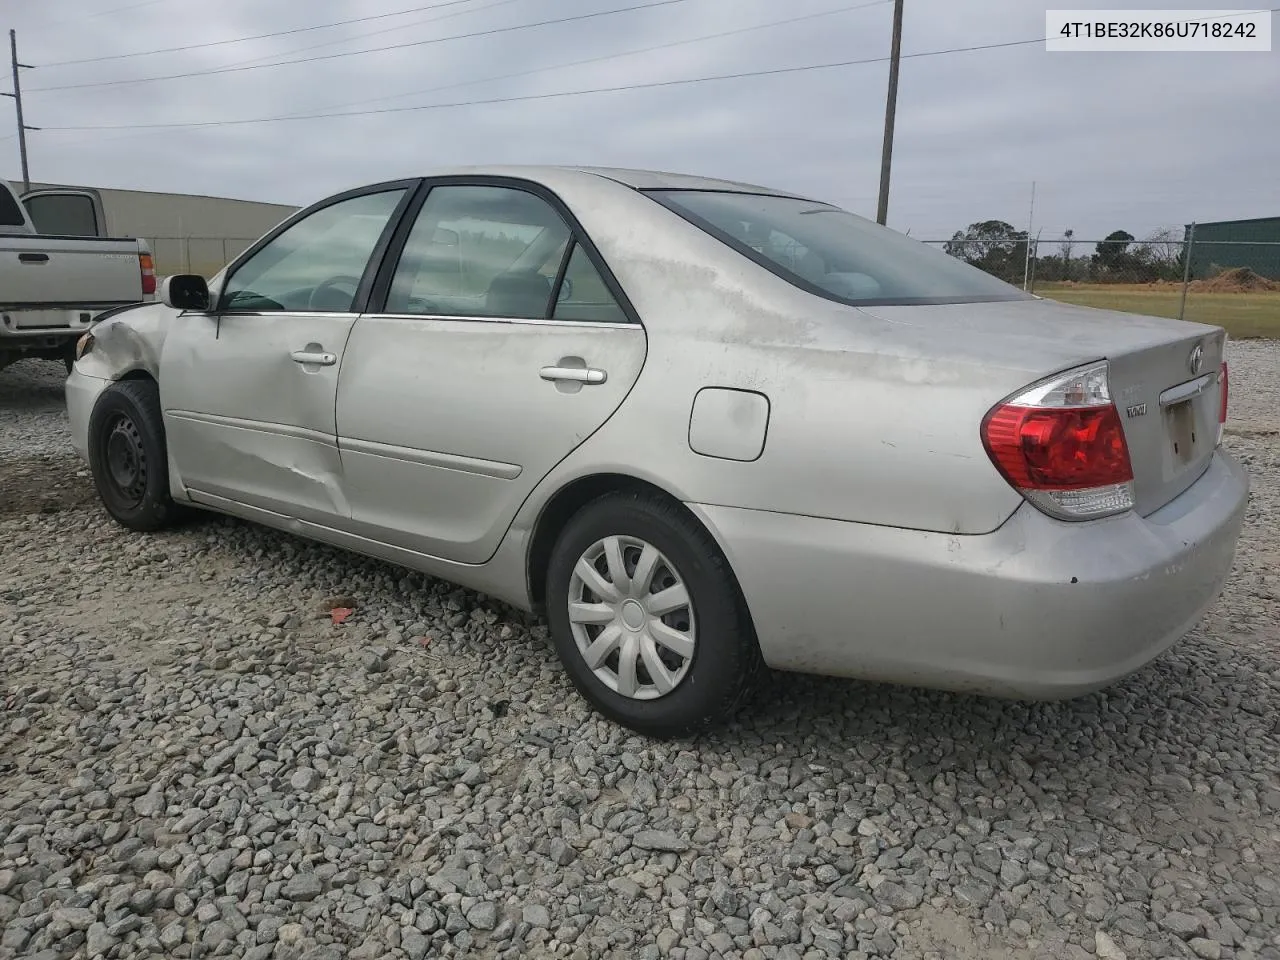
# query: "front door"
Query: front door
{"points": [[497, 347], [248, 389]]}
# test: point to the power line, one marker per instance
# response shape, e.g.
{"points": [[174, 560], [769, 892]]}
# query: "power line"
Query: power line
{"points": [[573, 63], [353, 53], [614, 56], [93, 16], [369, 33], [776, 71], [259, 36]]}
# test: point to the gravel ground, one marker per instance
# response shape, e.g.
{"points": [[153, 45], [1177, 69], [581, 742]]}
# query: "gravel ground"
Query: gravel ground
{"points": [[196, 761]]}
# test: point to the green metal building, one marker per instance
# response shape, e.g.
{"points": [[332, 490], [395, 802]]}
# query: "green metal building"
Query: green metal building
{"points": [[1236, 243]]}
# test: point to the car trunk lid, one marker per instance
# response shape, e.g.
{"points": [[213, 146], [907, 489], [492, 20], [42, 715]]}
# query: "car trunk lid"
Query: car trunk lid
{"points": [[1164, 374]]}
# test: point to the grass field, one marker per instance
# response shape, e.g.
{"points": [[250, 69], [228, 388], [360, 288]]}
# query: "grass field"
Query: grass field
{"points": [[1244, 315]]}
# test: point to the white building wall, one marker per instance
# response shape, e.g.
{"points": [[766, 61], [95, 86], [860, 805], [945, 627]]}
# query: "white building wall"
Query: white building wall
{"points": [[187, 233]]}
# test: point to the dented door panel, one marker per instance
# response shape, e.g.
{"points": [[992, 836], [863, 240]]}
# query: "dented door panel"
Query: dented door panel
{"points": [[248, 421]]}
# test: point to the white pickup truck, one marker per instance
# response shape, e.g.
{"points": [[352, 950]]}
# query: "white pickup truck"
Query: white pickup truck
{"points": [[52, 288]]}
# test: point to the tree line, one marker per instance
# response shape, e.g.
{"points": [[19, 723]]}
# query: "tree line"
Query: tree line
{"points": [[1001, 249]]}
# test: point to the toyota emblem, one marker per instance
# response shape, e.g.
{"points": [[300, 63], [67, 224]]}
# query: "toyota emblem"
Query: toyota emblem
{"points": [[1196, 361]]}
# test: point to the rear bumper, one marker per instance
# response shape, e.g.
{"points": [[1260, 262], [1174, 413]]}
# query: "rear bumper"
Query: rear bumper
{"points": [[82, 393], [1038, 609]]}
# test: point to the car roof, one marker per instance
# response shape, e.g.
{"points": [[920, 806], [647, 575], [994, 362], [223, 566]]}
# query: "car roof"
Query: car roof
{"points": [[638, 179]]}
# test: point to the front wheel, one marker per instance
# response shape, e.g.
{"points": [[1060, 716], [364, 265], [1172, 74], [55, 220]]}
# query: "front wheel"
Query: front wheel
{"points": [[127, 456], [647, 617]]}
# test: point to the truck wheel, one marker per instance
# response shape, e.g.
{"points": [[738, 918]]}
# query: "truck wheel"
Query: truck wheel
{"points": [[127, 456]]}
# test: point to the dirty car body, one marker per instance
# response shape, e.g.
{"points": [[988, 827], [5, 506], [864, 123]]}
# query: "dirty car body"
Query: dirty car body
{"points": [[860, 457]]}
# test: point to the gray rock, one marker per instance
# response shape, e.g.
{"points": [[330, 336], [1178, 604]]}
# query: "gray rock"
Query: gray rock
{"points": [[306, 779], [483, 916], [150, 804], [1105, 948], [303, 887], [172, 935], [77, 918], [561, 853], [219, 866], [899, 896], [1182, 924], [536, 915], [99, 939], [660, 840], [414, 944], [1205, 948]]}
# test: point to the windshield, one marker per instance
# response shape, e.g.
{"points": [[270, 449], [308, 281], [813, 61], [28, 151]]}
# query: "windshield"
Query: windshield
{"points": [[834, 253]]}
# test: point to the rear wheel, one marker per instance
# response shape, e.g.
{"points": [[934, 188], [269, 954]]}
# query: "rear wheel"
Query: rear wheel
{"points": [[127, 456], [647, 618]]}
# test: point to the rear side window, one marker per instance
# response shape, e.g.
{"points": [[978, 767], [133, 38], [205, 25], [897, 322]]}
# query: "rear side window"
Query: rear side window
{"points": [[63, 215], [10, 212], [834, 253]]}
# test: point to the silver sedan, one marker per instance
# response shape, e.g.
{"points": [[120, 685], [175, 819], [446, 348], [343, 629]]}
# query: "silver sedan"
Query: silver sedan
{"points": [[703, 427]]}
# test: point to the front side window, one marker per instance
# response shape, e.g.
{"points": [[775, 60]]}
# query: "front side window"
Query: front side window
{"points": [[480, 251], [63, 215], [316, 264], [834, 253]]}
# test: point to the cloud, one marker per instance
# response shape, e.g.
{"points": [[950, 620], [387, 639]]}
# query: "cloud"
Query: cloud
{"points": [[1133, 141]]}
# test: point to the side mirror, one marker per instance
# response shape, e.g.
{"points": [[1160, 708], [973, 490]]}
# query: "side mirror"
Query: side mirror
{"points": [[185, 291], [566, 288]]}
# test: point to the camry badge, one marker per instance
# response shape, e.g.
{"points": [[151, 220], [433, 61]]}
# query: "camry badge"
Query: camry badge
{"points": [[1137, 410]]}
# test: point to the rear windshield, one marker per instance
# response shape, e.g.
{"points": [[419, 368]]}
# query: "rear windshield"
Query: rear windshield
{"points": [[834, 253]]}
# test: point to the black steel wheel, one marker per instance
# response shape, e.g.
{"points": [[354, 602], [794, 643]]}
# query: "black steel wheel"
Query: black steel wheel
{"points": [[127, 456]]}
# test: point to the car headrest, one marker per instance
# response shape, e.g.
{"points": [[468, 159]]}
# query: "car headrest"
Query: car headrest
{"points": [[523, 294]]}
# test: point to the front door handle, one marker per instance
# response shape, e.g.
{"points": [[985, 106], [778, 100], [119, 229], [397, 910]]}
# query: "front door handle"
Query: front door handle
{"points": [[33, 258], [314, 357], [573, 374]]}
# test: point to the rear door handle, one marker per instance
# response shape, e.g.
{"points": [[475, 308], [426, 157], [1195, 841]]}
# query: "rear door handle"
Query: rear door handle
{"points": [[574, 374], [33, 258], [318, 358]]}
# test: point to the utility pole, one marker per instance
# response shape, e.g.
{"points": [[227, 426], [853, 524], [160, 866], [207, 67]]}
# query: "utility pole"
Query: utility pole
{"points": [[1031, 216], [17, 101], [891, 107]]}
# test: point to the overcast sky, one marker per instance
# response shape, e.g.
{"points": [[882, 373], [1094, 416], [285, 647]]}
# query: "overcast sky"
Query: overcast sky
{"points": [[1113, 141]]}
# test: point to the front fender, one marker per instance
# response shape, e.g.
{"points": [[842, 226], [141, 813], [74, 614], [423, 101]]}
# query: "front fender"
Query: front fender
{"points": [[128, 341]]}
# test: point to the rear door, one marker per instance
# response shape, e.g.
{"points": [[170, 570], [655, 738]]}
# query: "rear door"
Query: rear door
{"points": [[248, 389], [497, 341]]}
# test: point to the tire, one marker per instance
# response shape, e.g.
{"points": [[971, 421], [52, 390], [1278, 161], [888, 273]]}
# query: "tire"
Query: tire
{"points": [[127, 456], [702, 690]]}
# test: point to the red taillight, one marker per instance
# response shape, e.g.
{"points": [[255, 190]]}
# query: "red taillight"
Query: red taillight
{"points": [[1061, 444], [1066, 448], [148, 267], [1222, 401]]}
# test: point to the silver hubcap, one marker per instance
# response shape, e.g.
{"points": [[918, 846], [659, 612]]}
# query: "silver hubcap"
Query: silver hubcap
{"points": [[631, 617]]}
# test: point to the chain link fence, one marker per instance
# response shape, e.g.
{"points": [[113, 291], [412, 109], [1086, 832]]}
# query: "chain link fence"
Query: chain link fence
{"points": [[1233, 283]]}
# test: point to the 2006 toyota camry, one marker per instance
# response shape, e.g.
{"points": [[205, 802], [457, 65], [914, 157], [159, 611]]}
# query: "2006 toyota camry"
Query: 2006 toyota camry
{"points": [[703, 426]]}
